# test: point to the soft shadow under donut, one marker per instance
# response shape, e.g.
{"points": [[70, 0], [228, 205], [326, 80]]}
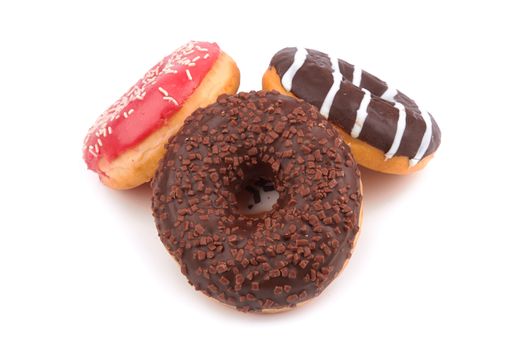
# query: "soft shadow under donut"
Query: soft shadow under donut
{"points": [[379, 188]]}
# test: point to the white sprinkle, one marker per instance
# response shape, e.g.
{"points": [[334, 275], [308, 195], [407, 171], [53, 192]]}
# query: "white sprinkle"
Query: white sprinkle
{"points": [[196, 58], [126, 115], [191, 64], [130, 112], [171, 99], [206, 56], [93, 153], [109, 130], [90, 146], [200, 48], [104, 132], [96, 148], [164, 92], [188, 74], [99, 141], [96, 134]]}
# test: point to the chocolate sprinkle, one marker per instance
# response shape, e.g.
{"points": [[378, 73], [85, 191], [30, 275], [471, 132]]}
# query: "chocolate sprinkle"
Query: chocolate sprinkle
{"points": [[284, 256]]}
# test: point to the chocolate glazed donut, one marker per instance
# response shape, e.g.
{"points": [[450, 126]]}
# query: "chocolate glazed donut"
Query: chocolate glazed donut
{"points": [[387, 130], [282, 257]]}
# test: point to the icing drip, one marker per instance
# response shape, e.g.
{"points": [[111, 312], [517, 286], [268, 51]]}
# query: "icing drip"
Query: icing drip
{"points": [[298, 61], [356, 78], [401, 124], [329, 99], [425, 141], [361, 114], [389, 94]]}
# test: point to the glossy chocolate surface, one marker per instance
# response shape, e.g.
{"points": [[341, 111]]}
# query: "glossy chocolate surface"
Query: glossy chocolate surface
{"points": [[313, 81], [285, 256]]}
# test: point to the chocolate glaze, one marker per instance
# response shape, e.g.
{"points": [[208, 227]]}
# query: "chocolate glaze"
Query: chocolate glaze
{"points": [[284, 256], [313, 80]]}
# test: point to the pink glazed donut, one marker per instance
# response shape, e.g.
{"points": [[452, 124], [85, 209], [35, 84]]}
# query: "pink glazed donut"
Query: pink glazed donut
{"points": [[127, 141]]}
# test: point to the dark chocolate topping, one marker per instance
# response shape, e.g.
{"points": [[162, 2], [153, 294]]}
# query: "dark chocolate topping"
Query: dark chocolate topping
{"points": [[285, 256], [313, 81]]}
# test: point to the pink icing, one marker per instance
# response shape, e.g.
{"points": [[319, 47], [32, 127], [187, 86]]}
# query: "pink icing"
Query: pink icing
{"points": [[149, 103]]}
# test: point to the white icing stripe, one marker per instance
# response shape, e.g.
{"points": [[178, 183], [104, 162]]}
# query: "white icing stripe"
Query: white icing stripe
{"points": [[425, 141], [361, 114], [389, 94], [356, 76], [329, 99], [401, 124], [298, 61]]}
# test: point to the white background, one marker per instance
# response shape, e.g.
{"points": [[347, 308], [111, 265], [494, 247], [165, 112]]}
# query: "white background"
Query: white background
{"points": [[441, 259]]}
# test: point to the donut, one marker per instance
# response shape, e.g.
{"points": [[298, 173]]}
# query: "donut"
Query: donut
{"points": [[282, 257], [126, 142], [388, 132]]}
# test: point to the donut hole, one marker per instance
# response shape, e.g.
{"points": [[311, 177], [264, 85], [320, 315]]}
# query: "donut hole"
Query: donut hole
{"points": [[256, 194]]}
